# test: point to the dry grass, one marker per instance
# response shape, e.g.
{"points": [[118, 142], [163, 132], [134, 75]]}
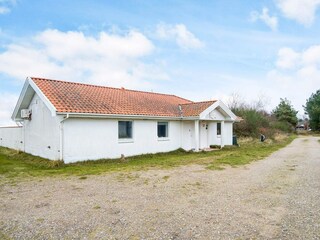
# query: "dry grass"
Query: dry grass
{"points": [[17, 165]]}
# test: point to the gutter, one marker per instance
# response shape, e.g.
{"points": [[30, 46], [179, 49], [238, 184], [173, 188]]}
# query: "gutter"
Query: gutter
{"points": [[61, 136], [113, 116]]}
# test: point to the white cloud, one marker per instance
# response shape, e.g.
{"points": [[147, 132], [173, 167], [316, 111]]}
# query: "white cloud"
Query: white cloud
{"points": [[108, 59], [5, 6], [303, 77], [7, 104], [287, 58], [270, 21], [4, 10], [303, 11], [311, 56], [180, 34], [290, 59]]}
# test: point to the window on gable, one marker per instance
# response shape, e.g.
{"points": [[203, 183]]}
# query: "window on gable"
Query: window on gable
{"points": [[218, 128], [125, 129], [162, 129]]}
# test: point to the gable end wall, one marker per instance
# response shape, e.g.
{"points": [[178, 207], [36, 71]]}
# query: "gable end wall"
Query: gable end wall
{"points": [[41, 133]]}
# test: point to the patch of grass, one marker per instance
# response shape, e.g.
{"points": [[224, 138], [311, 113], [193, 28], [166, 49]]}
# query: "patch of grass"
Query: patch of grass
{"points": [[4, 236], [165, 178], [16, 165], [96, 207], [250, 151], [83, 177]]}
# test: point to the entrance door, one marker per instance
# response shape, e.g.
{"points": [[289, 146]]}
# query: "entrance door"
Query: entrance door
{"points": [[204, 135]]}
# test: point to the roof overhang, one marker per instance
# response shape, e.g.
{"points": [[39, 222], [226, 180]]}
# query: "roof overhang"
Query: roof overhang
{"points": [[122, 116], [28, 91]]}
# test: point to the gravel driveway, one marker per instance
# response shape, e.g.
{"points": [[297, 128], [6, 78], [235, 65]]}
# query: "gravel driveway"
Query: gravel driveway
{"points": [[275, 198]]}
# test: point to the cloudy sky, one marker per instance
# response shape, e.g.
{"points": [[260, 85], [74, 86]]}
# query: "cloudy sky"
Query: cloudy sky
{"points": [[199, 50]]}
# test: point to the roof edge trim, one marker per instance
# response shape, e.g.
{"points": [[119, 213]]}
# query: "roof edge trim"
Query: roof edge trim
{"points": [[224, 107], [43, 97], [20, 99], [90, 115]]}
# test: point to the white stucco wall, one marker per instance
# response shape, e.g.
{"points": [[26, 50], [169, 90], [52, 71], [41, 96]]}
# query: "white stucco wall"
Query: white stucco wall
{"points": [[89, 139], [227, 132], [41, 133], [93, 138], [12, 137]]}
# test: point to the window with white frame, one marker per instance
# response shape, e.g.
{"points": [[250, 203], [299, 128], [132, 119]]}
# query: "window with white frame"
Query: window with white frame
{"points": [[218, 128], [162, 129], [124, 129]]}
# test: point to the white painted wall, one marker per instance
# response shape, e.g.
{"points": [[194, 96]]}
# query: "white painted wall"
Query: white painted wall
{"points": [[215, 139], [215, 115], [12, 137], [228, 133], [41, 133], [90, 139]]}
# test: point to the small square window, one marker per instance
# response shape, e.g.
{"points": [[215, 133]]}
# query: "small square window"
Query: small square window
{"points": [[162, 129], [125, 129], [218, 128]]}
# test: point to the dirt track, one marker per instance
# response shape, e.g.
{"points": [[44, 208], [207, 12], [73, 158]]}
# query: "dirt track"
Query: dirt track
{"points": [[278, 197]]}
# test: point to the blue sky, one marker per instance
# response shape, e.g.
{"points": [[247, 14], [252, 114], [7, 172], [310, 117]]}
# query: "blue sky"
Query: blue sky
{"points": [[199, 50]]}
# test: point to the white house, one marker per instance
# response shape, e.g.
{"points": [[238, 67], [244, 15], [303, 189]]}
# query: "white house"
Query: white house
{"points": [[72, 122]]}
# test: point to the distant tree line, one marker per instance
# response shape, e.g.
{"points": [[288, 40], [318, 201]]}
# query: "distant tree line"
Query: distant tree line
{"points": [[312, 108], [256, 120]]}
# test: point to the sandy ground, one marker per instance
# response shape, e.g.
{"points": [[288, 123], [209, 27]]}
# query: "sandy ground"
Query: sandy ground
{"points": [[275, 198]]}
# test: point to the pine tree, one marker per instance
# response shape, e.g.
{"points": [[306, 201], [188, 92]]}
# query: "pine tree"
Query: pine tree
{"points": [[313, 109], [284, 112]]}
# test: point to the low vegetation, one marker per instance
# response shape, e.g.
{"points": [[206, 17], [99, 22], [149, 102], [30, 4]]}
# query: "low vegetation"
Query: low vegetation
{"points": [[256, 120], [19, 165]]}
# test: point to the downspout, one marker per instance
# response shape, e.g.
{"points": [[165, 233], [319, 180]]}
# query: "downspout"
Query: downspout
{"points": [[61, 136]]}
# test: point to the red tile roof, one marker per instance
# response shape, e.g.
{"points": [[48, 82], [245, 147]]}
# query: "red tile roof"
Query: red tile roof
{"points": [[70, 97], [195, 108]]}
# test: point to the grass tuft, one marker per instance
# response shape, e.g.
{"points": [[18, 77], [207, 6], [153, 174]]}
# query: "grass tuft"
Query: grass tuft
{"points": [[16, 165]]}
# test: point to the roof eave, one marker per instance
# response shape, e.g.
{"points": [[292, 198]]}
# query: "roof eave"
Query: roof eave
{"points": [[124, 116]]}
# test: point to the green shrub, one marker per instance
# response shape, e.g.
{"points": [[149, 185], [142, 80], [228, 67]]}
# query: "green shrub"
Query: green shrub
{"points": [[281, 126], [253, 121]]}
